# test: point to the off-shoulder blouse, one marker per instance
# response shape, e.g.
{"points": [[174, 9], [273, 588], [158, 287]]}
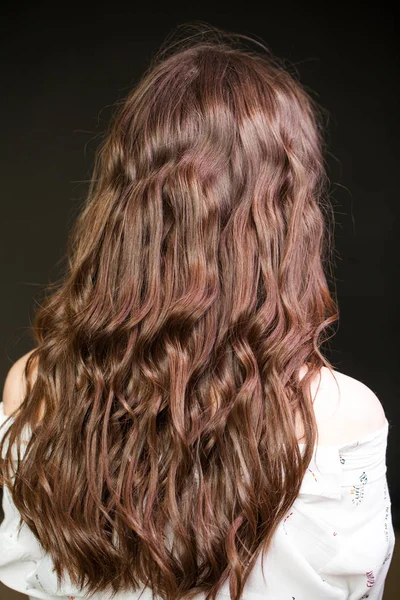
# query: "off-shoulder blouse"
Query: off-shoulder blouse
{"points": [[335, 543]]}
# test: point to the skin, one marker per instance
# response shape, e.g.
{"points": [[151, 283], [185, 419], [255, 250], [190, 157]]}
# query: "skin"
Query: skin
{"points": [[354, 413]]}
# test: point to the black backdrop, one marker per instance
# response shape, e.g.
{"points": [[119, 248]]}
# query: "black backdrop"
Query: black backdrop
{"points": [[65, 65]]}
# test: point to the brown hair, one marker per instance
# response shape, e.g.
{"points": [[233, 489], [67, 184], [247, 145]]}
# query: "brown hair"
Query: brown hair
{"points": [[168, 353]]}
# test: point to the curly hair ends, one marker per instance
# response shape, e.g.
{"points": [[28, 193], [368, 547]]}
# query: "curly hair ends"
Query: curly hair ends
{"points": [[163, 448]]}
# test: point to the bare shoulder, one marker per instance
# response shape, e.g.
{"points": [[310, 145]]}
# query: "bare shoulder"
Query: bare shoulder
{"points": [[14, 388], [345, 407]]}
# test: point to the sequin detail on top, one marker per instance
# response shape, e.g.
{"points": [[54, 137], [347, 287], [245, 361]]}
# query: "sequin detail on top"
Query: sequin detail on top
{"points": [[284, 521], [358, 490]]}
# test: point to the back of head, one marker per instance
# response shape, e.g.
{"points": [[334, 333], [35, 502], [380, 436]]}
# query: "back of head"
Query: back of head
{"points": [[168, 355]]}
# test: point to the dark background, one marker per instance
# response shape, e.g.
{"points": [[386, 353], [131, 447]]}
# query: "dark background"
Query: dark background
{"points": [[64, 67]]}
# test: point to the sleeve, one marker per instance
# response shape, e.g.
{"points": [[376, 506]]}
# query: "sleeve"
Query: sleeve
{"points": [[24, 566], [364, 522]]}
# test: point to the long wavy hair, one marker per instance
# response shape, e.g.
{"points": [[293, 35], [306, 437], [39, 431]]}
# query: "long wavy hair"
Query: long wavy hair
{"points": [[163, 448]]}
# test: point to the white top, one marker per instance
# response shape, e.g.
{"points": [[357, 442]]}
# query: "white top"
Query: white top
{"points": [[336, 543]]}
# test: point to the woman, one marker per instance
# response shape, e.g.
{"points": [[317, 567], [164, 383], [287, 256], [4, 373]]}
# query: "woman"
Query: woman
{"points": [[181, 432]]}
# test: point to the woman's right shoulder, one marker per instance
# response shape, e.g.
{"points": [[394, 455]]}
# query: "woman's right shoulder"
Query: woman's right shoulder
{"points": [[345, 407]]}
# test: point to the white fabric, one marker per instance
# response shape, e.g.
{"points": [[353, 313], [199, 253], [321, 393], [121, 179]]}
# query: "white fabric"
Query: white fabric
{"points": [[336, 543]]}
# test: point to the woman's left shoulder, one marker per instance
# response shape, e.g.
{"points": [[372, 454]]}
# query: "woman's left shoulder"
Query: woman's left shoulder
{"points": [[14, 388]]}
